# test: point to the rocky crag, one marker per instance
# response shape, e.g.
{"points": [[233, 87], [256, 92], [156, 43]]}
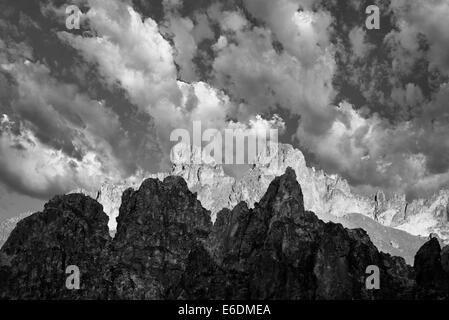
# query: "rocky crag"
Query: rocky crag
{"points": [[395, 226], [329, 196], [166, 247], [7, 225]]}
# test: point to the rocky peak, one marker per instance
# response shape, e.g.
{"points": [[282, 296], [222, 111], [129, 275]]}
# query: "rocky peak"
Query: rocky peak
{"points": [[155, 198], [158, 226], [431, 277], [284, 196], [329, 196], [277, 250], [71, 230], [167, 248], [323, 194]]}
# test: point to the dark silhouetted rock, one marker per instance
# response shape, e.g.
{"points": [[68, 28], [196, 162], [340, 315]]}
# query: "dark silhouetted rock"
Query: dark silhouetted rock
{"points": [[431, 278], [280, 251], [166, 248], [72, 230], [158, 226]]}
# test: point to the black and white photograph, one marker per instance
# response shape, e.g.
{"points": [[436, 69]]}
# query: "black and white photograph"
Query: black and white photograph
{"points": [[224, 150]]}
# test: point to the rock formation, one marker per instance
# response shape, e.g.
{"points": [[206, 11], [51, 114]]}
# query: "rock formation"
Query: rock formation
{"points": [[166, 248], [432, 272], [71, 230], [278, 250], [329, 196], [158, 226], [8, 225]]}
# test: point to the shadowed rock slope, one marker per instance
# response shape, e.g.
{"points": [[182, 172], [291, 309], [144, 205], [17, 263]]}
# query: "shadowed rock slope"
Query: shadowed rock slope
{"points": [[167, 248]]}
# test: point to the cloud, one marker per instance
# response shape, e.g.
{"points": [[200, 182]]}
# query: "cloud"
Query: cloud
{"points": [[430, 19], [187, 33], [46, 121], [372, 105], [33, 168], [410, 157], [233, 21], [251, 69], [359, 46], [304, 34], [184, 42], [57, 110], [132, 53]]}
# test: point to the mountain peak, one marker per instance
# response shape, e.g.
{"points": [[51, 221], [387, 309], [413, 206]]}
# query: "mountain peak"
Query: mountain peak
{"points": [[166, 248], [175, 181], [329, 196], [284, 195], [71, 230]]}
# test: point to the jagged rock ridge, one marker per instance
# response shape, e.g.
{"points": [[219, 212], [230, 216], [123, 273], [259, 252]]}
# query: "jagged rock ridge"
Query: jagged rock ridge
{"points": [[167, 248], [328, 196]]}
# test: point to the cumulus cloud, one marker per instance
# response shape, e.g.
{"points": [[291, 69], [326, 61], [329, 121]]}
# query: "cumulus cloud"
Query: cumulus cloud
{"points": [[359, 46], [304, 34], [36, 169], [73, 131], [250, 68], [132, 52], [410, 157], [235, 65], [59, 133], [363, 145], [184, 42], [428, 18]]}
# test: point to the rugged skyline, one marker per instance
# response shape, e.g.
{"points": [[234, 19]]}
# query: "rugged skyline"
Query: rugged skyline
{"points": [[166, 248], [79, 106]]}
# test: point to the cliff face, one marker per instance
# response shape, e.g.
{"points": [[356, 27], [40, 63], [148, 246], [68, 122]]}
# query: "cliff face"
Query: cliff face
{"points": [[158, 226], [167, 248], [71, 230], [329, 196], [428, 216], [432, 271], [323, 194], [278, 250]]}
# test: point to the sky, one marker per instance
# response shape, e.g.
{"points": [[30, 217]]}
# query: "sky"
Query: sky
{"points": [[78, 107]]}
